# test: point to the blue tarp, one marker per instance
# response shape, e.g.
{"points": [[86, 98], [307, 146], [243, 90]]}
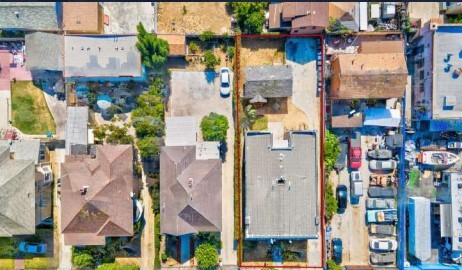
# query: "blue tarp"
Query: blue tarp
{"points": [[382, 117], [445, 125]]}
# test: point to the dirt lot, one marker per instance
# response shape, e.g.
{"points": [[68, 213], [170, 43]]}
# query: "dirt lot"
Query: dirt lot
{"points": [[197, 18]]}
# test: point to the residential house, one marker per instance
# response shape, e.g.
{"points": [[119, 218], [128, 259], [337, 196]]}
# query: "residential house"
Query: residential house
{"points": [[83, 17], [34, 150], [368, 75], [176, 44], [281, 186], [30, 16], [39, 44], [102, 58], [77, 131], [263, 82], [299, 17], [5, 89], [96, 195], [17, 195], [347, 13]]}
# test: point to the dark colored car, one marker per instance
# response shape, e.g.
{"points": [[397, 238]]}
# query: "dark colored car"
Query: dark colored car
{"points": [[342, 197], [382, 192], [337, 248]]}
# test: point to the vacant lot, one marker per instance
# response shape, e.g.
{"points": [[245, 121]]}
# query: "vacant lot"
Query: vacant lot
{"points": [[29, 108], [193, 18]]}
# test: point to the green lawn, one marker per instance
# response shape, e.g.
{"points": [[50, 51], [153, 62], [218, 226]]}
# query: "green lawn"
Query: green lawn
{"points": [[414, 176], [40, 263], [261, 123], [30, 111], [8, 248], [6, 264]]}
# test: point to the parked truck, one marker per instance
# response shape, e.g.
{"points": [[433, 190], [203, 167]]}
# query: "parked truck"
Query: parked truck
{"points": [[382, 229], [376, 203], [379, 216], [355, 154]]}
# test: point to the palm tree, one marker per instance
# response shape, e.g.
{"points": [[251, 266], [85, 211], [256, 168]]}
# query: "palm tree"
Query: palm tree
{"points": [[250, 116]]}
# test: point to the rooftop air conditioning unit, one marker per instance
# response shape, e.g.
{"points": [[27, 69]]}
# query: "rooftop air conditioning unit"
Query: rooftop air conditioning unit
{"points": [[449, 101]]}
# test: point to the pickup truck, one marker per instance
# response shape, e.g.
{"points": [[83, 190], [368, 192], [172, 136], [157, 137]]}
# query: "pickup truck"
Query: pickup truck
{"points": [[373, 203], [355, 152], [381, 216], [381, 229], [382, 258], [382, 192]]}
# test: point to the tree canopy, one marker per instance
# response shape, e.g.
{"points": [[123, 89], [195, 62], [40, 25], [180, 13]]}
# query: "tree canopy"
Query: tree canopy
{"points": [[206, 256], [116, 266], [154, 51], [250, 15], [149, 147], [83, 260], [214, 127], [331, 150]]}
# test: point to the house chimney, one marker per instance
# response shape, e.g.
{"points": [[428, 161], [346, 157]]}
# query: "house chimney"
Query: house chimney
{"points": [[84, 189]]}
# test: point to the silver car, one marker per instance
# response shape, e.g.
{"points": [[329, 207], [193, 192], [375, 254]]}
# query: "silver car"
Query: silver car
{"points": [[382, 165], [225, 88]]}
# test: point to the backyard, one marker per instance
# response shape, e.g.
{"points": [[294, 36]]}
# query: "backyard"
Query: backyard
{"points": [[29, 108], [193, 18]]}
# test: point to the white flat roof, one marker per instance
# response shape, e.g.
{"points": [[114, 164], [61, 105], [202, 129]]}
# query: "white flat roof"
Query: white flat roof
{"points": [[207, 150], [180, 131], [101, 56]]}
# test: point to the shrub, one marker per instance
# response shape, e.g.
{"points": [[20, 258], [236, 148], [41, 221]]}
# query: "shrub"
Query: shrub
{"points": [[83, 260], [214, 127], [184, 10], [210, 59], [153, 50], [157, 239], [331, 201], [288, 255], [336, 28], [331, 151], [250, 15], [117, 266], [206, 256], [149, 147], [164, 257], [331, 265], [230, 52], [193, 47], [207, 35]]}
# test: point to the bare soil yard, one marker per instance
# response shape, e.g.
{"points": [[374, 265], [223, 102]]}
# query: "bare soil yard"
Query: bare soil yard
{"points": [[193, 18]]}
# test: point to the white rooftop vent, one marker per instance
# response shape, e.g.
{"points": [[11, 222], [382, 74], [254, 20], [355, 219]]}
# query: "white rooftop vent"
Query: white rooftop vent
{"points": [[450, 101]]}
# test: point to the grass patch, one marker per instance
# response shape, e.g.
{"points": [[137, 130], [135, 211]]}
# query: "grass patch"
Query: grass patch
{"points": [[414, 176], [29, 108], [40, 263], [157, 239], [261, 123], [7, 263]]}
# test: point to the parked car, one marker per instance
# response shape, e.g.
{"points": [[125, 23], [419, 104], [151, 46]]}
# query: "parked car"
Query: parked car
{"points": [[32, 248], [380, 154], [355, 152], [337, 249], [340, 163], [225, 88], [382, 192], [382, 229], [373, 203], [356, 184], [383, 244], [382, 165], [342, 197], [382, 258], [382, 216]]}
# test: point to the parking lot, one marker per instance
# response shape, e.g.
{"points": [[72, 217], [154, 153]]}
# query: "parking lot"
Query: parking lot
{"points": [[351, 225]]}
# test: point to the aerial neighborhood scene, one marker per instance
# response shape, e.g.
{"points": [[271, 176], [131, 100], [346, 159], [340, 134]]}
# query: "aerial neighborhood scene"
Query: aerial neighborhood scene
{"points": [[231, 135]]}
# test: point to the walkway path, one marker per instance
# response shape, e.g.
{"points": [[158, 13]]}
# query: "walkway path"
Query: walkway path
{"points": [[58, 111], [147, 238]]}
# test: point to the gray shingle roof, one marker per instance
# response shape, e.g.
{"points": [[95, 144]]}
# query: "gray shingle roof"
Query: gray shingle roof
{"points": [[268, 81], [190, 192], [281, 187], [17, 195], [40, 16], [26, 149], [44, 51]]}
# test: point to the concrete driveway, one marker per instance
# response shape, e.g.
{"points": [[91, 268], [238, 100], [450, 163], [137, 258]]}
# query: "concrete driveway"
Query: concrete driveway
{"points": [[198, 94], [59, 112]]}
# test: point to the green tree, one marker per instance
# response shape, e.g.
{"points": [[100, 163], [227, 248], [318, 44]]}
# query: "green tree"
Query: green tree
{"points": [[206, 256], [193, 47], [100, 132], [250, 15], [117, 266], [147, 128], [331, 265], [210, 59], [331, 150], [331, 201], [83, 260], [250, 116], [207, 35], [230, 52], [154, 51], [214, 127], [118, 135], [336, 27], [149, 147]]}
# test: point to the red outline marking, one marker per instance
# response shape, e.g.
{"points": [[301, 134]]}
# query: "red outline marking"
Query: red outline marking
{"points": [[238, 146]]}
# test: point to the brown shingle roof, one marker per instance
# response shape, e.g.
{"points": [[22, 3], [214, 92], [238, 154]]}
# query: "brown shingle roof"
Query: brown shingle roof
{"points": [[395, 46], [81, 17], [305, 14], [190, 192], [369, 76], [176, 43], [106, 209]]}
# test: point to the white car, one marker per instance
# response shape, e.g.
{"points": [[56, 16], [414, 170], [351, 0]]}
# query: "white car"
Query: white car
{"points": [[383, 244], [225, 88]]}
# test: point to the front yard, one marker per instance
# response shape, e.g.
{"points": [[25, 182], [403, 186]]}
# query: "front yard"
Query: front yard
{"points": [[29, 108]]}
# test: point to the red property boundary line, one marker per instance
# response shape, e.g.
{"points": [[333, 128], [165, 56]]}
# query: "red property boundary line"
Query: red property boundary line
{"points": [[238, 140]]}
